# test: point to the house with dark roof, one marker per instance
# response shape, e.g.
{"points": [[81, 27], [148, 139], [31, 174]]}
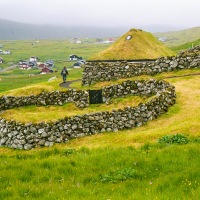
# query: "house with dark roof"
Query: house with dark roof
{"points": [[25, 66], [74, 57], [79, 64], [76, 41], [1, 60], [49, 63]]}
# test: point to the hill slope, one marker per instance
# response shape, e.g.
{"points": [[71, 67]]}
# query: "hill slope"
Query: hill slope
{"points": [[185, 46], [176, 38], [141, 45], [10, 30]]}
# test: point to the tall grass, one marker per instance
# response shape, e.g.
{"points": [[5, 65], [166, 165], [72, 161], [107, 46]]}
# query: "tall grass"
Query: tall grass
{"points": [[105, 173], [128, 164]]}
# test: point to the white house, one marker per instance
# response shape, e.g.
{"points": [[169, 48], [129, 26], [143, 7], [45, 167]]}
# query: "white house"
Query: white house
{"points": [[74, 57], [109, 41], [33, 59], [76, 41], [6, 52], [25, 66]]}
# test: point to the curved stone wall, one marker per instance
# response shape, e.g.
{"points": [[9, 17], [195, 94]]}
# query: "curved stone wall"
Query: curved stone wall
{"points": [[79, 97], [105, 71], [30, 135]]}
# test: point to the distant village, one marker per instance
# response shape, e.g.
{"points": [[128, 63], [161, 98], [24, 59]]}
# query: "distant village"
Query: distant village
{"points": [[47, 66], [33, 62], [97, 41]]}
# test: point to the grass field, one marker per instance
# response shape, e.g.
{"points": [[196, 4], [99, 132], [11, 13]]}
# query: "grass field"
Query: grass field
{"points": [[58, 51], [128, 164], [152, 172], [186, 45], [177, 38]]}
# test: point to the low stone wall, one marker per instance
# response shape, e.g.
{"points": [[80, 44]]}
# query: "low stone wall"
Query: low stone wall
{"points": [[138, 87], [105, 71], [79, 97], [30, 135]]}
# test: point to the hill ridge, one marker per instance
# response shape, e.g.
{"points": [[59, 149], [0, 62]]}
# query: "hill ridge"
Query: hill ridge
{"points": [[135, 44]]}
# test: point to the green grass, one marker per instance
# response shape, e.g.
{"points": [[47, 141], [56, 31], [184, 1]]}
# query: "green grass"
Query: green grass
{"points": [[59, 51], [151, 172], [129, 164], [17, 78], [177, 38], [52, 113], [186, 45]]}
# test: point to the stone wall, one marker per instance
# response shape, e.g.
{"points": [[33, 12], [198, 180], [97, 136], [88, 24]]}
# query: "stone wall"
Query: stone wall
{"points": [[138, 87], [30, 135], [105, 71], [79, 97]]}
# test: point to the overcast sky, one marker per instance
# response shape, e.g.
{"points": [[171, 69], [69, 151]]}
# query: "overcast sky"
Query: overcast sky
{"points": [[112, 13]]}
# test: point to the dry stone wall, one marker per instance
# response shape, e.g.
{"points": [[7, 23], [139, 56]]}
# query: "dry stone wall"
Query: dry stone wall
{"points": [[106, 71], [30, 135], [79, 97]]}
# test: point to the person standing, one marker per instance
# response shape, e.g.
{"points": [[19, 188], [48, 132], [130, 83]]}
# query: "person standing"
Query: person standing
{"points": [[64, 74]]}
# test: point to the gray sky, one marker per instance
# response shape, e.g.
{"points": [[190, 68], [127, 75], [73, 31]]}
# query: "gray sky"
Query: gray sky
{"points": [[112, 13]]}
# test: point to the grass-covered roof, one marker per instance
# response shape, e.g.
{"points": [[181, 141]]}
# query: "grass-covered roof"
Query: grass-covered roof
{"points": [[135, 44]]}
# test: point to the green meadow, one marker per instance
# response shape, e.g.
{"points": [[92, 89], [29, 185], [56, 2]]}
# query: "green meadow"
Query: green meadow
{"points": [[58, 51], [159, 160], [177, 38]]}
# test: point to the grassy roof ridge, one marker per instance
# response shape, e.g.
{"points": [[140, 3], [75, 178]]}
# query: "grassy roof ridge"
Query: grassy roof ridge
{"points": [[142, 45]]}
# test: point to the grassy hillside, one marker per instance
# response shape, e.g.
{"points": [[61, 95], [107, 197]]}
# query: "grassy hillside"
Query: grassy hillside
{"points": [[57, 50], [186, 45], [177, 38], [142, 45], [152, 172], [129, 164], [11, 30]]}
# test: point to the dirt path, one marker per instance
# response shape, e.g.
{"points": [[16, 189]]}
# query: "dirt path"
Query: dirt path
{"points": [[178, 76], [8, 68], [68, 83]]}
